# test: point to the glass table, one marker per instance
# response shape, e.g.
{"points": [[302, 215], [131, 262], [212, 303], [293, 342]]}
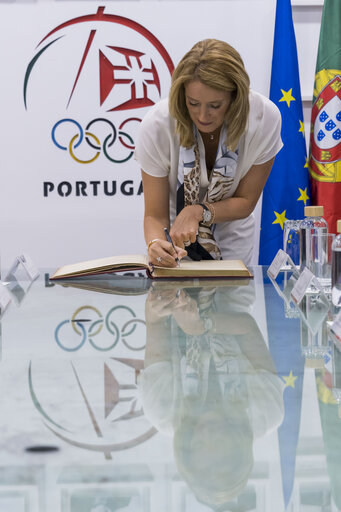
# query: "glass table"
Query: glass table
{"points": [[125, 393]]}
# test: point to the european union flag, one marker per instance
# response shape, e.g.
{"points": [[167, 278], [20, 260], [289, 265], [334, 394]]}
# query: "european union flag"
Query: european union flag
{"points": [[285, 349], [287, 189]]}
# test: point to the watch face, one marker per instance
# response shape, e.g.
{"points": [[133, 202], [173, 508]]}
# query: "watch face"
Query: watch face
{"points": [[207, 216]]}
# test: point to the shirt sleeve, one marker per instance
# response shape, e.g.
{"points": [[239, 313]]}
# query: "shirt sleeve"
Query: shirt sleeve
{"points": [[156, 392], [267, 122], [153, 146], [266, 405]]}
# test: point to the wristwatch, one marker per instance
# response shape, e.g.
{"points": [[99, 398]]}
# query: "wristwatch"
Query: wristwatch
{"points": [[206, 215]]}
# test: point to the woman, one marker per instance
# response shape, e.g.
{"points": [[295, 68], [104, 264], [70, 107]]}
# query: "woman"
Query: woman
{"points": [[205, 155]]}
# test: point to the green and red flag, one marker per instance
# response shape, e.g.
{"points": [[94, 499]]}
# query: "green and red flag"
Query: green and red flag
{"points": [[325, 135]]}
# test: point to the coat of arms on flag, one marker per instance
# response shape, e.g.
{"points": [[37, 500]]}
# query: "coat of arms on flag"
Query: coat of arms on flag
{"points": [[325, 137]]}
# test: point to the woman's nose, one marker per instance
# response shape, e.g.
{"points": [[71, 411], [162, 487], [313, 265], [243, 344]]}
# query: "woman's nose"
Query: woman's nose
{"points": [[203, 114]]}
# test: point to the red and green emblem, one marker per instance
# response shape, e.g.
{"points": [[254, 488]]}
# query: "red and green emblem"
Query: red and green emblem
{"points": [[325, 137]]}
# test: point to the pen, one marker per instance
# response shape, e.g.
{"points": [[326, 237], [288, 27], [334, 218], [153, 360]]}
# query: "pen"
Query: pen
{"points": [[171, 242]]}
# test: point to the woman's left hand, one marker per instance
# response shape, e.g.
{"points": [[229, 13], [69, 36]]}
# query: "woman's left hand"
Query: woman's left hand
{"points": [[185, 227]]}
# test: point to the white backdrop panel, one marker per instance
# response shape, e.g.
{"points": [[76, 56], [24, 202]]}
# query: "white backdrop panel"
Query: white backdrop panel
{"points": [[82, 71]]}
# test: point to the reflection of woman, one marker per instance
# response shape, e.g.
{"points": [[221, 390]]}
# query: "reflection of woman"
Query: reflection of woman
{"points": [[205, 156], [209, 381], [101, 508]]}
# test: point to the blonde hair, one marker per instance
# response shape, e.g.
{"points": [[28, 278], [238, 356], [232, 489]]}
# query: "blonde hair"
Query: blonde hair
{"points": [[217, 65]]}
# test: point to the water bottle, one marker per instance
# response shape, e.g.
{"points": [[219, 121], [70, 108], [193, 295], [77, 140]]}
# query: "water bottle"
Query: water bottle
{"points": [[336, 266], [312, 224]]}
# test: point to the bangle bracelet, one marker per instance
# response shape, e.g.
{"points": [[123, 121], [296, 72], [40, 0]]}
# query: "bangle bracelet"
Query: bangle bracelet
{"points": [[151, 242]]}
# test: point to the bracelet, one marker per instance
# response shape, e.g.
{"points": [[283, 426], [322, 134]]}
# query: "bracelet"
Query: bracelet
{"points": [[151, 242], [212, 210]]}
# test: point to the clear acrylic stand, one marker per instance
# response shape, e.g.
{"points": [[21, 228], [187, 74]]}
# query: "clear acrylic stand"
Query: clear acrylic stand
{"points": [[20, 277], [307, 284], [315, 342], [5, 299], [290, 309], [282, 262], [313, 306]]}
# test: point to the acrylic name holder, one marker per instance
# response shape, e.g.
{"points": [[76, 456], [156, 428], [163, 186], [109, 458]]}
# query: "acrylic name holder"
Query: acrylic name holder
{"points": [[313, 309], [284, 291], [281, 261], [311, 300], [20, 277], [5, 299], [307, 283]]}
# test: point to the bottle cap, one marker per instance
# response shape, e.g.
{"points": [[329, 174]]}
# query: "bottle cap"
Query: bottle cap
{"points": [[313, 211], [338, 226]]}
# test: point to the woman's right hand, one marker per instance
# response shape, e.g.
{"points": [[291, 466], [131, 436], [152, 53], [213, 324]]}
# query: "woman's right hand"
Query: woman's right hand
{"points": [[174, 302], [185, 227], [159, 303], [162, 254]]}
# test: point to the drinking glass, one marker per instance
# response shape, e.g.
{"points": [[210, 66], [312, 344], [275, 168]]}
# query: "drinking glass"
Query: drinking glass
{"points": [[321, 257]]}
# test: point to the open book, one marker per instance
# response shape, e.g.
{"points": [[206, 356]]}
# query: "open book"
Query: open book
{"points": [[187, 269]]}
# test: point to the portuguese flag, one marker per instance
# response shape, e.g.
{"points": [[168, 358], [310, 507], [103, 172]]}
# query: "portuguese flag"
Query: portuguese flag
{"points": [[325, 135]]}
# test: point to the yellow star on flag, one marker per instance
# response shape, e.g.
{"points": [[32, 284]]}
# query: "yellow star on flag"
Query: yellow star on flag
{"points": [[287, 97], [306, 162], [301, 127], [289, 380], [280, 218], [304, 196]]}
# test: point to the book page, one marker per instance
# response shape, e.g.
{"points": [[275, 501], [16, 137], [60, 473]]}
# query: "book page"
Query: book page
{"points": [[110, 264]]}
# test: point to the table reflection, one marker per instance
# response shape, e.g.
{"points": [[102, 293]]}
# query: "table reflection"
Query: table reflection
{"points": [[125, 394], [210, 381]]}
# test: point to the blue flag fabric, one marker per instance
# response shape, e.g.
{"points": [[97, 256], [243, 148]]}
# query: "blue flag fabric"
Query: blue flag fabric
{"points": [[285, 349], [287, 190]]}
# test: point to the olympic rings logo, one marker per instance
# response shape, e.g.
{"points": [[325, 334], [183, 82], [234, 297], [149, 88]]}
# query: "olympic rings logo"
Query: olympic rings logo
{"points": [[93, 140], [95, 327]]}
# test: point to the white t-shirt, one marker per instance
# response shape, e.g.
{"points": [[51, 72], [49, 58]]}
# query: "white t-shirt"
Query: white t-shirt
{"points": [[157, 151]]}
